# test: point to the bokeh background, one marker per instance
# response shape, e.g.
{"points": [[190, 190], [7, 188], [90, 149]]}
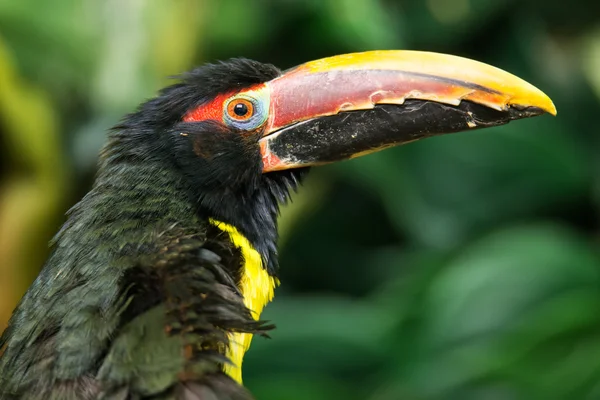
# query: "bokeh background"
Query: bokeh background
{"points": [[460, 267]]}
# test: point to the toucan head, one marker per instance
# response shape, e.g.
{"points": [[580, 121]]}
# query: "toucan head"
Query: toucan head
{"points": [[242, 133]]}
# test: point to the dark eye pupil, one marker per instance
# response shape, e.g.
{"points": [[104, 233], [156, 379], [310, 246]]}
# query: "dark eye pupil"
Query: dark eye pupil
{"points": [[240, 109]]}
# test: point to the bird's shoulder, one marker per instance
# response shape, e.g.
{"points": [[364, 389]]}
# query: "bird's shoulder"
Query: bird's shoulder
{"points": [[164, 334]]}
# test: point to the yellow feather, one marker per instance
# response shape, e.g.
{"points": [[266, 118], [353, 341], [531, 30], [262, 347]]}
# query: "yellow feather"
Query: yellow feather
{"points": [[257, 288]]}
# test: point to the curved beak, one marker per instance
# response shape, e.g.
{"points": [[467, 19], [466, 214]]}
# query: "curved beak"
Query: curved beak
{"points": [[350, 105]]}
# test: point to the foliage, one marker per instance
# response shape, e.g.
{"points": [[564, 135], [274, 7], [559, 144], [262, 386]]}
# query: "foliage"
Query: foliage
{"points": [[460, 267]]}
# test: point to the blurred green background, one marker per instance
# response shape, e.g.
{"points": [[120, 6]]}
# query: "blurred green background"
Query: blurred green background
{"points": [[460, 267]]}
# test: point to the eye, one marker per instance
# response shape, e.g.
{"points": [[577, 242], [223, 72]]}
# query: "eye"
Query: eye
{"points": [[240, 109], [245, 112]]}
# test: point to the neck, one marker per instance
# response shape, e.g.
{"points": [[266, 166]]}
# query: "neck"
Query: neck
{"points": [[250, 204], [128, 202], [253, 214], [248, 219], [248, 216]]}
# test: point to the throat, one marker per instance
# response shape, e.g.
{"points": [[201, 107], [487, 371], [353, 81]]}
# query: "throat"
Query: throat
{"points": [[257, 288]]}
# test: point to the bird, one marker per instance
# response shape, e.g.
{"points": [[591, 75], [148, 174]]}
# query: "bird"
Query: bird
{"points": [[156, 281]]}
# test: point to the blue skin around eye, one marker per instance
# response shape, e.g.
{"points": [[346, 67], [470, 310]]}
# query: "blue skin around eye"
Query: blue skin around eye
{"points": [[256, 120]]}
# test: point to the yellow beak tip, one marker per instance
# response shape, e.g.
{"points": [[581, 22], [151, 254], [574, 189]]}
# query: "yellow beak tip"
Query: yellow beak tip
{"points": [[549, 107], [545, 103], [536, 99]]}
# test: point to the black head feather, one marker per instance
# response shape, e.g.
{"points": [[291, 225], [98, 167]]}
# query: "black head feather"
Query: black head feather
{"points": [[221, 166]]}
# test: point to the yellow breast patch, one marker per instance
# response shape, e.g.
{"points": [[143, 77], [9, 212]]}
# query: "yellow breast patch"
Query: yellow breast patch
{"points": [[257, 288]]}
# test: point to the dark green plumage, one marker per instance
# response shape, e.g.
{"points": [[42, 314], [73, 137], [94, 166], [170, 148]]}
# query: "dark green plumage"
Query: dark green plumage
{"points": [[140, 290]]}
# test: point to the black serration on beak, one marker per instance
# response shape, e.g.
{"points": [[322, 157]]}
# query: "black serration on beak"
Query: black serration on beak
{"points": [[342, 136]]}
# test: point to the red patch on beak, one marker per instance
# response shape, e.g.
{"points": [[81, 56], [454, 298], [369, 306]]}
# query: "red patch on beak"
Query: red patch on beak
{"points": [[270, 161]]}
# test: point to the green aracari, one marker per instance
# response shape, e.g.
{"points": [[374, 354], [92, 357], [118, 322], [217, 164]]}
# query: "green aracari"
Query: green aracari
{"points": [[156, 281]]}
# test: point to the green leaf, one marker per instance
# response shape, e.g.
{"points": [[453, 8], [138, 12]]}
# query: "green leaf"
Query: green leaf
{"points": [[503, 297]]}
